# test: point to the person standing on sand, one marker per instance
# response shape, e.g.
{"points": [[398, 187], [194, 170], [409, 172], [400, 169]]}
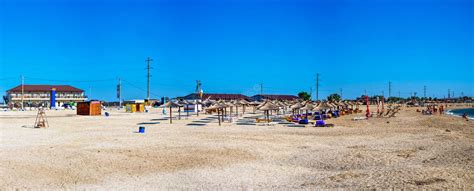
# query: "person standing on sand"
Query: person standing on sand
{"points": [[464, 116]]}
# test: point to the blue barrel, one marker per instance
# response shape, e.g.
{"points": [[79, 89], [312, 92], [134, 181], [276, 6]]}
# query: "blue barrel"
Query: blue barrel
{"points": [[141, 129]]}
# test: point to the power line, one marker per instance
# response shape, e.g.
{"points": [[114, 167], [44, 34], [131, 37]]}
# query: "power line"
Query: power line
{"points": [[72, 81], [137, 87]]}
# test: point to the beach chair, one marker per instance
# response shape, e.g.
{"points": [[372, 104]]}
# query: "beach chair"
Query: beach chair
{"points": [[317, 117], [322, 123], [303, 121], [263, 120]]}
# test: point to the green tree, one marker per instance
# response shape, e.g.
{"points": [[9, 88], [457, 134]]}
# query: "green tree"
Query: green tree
{"points": [[334, 97], [304, 95]]}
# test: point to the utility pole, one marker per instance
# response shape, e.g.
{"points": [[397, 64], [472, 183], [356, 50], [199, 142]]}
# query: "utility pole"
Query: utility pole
{"points": [[424, 91], [399, 95], [449, 93], [148, 60], [261, 88], [119, 92], [311, 93], [317, 86], [389, 89], [340, 91], [22, 91]]}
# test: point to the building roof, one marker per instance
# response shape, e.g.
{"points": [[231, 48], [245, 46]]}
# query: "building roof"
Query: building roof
{"points": [[216, 96], [43, 88], [275, 97]]}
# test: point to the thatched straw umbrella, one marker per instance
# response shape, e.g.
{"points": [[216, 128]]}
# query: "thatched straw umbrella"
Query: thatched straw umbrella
{"points": [[255, 104], [197, 103], [307, 107], [171, 104], [244, 103], [230, 106], [184, 103], [281, 105], [325, 105], [236, 103], [267, 107], [296, 106], [217, 107]]}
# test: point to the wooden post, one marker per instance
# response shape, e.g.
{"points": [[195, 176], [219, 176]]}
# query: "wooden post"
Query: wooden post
{"points": [[367, 114], [171, 115], [218, 116]]}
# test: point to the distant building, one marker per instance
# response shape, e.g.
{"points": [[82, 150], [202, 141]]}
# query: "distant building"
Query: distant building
{"points": [[40, 95], [213, 96], [230, 97], [260, 97]]}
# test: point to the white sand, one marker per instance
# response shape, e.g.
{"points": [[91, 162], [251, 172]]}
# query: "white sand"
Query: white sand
{"points": [[97, 152]]}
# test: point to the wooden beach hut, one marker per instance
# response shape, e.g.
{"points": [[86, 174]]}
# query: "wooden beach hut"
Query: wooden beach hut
{"points": [[89, 108]]}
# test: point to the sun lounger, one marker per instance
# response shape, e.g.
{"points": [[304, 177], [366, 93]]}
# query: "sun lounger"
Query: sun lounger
{"points": [[263, 120], [303, 121], [322, 123]]}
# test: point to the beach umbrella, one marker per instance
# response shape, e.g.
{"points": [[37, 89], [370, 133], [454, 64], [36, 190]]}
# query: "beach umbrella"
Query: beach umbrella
{"points": [[244, 103], [171, 104], [217, 107], [266, 107], [237, 103], [295, 106], [185, 103], [307, 106], [325, 105], [255, 105], [197, 103]]}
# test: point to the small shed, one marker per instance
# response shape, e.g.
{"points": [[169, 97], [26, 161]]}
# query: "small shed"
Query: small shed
{"points": [[89, 108], [140, 107], [135, 107]]}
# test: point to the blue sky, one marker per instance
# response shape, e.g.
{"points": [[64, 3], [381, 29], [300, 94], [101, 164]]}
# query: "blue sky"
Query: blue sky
{"points": [[233, 46]]}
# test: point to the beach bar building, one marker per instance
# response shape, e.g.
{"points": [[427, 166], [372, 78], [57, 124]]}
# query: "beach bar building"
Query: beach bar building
{"points": [[42, 95]]}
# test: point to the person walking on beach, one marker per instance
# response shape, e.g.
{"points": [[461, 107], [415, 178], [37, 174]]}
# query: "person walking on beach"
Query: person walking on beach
{"points": [[464, 116]]}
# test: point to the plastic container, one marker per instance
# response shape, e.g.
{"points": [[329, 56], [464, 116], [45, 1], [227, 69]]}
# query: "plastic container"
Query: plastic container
{"points": [[141, 129]]}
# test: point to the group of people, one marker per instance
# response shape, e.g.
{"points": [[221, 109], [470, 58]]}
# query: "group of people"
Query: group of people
{"points": [[432, 109]]}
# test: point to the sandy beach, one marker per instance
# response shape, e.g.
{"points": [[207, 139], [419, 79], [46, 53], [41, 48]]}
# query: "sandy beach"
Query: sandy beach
{"points": [[96, 152]]}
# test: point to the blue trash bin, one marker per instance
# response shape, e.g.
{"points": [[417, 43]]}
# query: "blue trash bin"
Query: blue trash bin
{"points": [[141, 129]]}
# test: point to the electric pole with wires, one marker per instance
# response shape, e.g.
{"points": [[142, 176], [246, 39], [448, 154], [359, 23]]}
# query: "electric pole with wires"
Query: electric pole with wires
{"points": [[148, 61]]}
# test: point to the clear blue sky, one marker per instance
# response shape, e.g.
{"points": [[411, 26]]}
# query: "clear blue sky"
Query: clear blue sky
{"points": [[233, 46]]}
